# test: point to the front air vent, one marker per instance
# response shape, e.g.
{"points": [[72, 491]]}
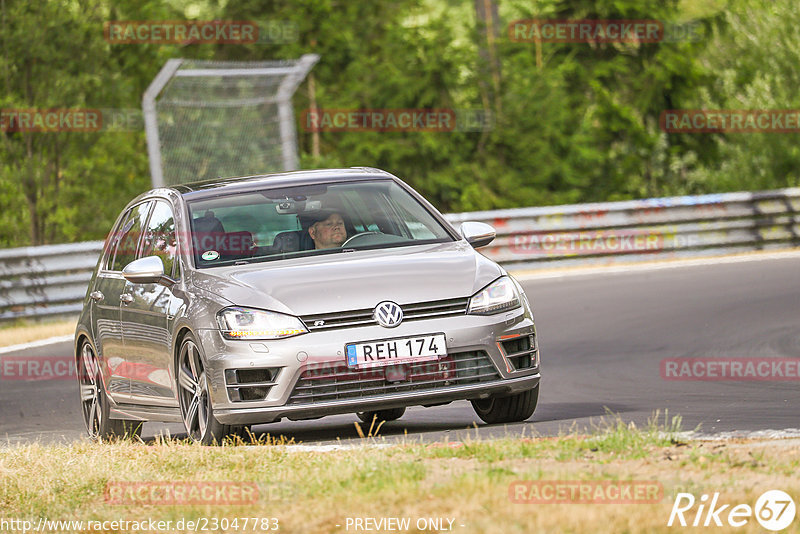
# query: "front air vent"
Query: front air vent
{"points": [[521, 352], [250, 384]]}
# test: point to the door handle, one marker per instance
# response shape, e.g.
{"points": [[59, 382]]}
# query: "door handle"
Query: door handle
{"points": [[127, 299], [96, 296]]}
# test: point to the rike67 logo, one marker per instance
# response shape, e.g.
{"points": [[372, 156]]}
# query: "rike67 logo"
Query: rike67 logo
{"points": [[774, 510]]}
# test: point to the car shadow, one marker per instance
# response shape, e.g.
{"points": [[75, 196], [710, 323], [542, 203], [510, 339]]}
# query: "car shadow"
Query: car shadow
{"points": [[423, 424], [561, 411]]}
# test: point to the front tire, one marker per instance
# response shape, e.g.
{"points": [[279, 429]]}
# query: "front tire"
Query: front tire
{"points": [[511, 409], [95, 405], [195, 399]]}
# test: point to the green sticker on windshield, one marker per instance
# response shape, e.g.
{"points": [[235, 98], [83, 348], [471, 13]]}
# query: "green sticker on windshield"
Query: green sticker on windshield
{"points": [[210, 255]]}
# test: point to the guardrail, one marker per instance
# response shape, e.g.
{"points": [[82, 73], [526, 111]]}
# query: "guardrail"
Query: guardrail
{"points": [[46, 280], [51, 280], [641, 230]]}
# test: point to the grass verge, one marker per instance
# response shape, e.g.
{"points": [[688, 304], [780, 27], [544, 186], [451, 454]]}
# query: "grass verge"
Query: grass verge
{"points": [[466, 482], [25, 332]]}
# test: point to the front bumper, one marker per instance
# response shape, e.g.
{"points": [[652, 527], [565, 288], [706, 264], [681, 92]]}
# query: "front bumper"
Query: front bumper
{"points": [[288, 359]]}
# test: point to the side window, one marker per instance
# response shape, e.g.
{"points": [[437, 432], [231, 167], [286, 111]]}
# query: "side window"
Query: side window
{"points": [[130, 235], [413, 216], [418, 230], [353, 204], [366, 214], [112, 240], [159, 238]]}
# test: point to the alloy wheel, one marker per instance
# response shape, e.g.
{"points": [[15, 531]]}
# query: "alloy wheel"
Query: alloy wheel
{"points": [[90, 383], [193, 386]]}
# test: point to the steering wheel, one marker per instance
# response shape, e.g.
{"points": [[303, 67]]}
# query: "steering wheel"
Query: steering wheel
{"points": [[351, 238]]}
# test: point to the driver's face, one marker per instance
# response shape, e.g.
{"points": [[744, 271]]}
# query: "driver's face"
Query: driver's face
{"points": [[329, 233]]}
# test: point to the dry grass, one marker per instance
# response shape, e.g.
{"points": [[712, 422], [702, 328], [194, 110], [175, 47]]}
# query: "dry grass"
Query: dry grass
{"points": [[26, 332], [468, 482]]}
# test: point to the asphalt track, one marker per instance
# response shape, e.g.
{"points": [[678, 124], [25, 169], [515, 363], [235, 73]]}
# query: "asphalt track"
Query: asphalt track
{"points": [[602, 336]]}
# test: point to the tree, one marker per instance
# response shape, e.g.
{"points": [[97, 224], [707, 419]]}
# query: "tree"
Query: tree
{"points": [[60, 186]]}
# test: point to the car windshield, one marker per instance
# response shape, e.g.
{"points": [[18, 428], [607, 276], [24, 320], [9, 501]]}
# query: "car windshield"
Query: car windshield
{"points": [[274, 224]]}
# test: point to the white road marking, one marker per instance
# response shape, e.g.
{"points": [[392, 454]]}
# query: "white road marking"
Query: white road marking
{"points": [[322, 448], [34, 344], [564, 272], [740, 434], [764, 435]]}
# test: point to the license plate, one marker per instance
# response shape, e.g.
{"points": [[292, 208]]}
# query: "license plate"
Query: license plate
{"points": [[397, 350]]}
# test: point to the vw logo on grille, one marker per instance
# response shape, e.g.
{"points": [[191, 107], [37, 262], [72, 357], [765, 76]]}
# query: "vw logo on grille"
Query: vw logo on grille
{"points": [[388, 314]]}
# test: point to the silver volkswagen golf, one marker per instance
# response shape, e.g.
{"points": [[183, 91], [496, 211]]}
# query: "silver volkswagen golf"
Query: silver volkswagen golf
{"points": [[236, 302]]}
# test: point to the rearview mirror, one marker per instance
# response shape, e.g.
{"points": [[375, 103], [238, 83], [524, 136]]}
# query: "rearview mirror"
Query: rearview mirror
{"points": [[477, 234], [149, 270]]}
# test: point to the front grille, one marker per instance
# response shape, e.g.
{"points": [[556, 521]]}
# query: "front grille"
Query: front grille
{"points": [[521, 352], [332, 382], [250, 384], [411, 312]]}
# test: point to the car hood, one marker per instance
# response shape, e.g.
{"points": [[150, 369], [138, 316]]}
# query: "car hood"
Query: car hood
{"points": [[353, 280]]}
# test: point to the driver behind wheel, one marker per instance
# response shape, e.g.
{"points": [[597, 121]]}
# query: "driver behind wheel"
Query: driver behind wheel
{"points": [[329, 232]]}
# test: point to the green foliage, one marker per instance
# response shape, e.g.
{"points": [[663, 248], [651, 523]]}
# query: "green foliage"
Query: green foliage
{"points": [[70, 186], [753, 56], [573, 122]]}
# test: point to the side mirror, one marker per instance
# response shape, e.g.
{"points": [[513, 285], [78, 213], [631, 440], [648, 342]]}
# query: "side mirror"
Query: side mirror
{"points": [[477, 234], [149, 270]]}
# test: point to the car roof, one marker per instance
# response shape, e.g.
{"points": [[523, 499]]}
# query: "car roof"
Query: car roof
{"points": [[237, 184]]}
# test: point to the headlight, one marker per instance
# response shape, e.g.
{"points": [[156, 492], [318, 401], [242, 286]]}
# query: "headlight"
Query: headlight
{"points": [[245, 323], [500, 295]]}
